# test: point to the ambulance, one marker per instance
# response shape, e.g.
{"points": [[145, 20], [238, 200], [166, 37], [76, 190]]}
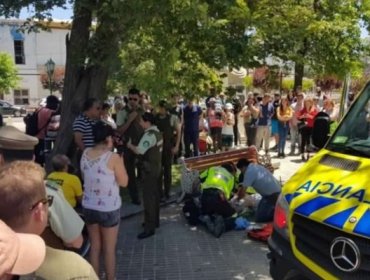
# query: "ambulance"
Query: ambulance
{"points": [[322, 217]]}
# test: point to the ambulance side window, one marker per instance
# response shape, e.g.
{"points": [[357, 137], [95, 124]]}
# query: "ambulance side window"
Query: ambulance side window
{"points": [[354, 129]]}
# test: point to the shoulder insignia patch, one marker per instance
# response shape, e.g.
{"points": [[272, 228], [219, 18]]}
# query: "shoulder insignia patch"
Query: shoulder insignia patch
{"points": [[146, 144]]}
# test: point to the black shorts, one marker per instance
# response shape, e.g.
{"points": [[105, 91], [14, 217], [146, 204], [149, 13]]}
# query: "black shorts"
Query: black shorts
{"points": [[227, 140], [104, 219]]}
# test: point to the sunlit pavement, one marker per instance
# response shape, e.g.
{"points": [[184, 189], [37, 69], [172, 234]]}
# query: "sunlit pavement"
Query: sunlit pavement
{"points": [[178, 251], [16, 122]]}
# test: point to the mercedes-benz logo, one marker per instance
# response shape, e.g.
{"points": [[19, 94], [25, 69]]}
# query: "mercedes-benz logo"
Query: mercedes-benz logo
{"points": [[345, 254]]}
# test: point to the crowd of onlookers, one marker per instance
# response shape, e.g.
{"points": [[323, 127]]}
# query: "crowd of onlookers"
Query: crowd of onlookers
{"points": [[269, 117], [131, 142]]}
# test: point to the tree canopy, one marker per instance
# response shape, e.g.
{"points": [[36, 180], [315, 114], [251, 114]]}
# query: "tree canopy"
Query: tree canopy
{"points": [[322, 34], [169, 45], [8, 73]]}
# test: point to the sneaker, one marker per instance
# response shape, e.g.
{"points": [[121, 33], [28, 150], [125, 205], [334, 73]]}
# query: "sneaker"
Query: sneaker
{"points": [[219, 226]]}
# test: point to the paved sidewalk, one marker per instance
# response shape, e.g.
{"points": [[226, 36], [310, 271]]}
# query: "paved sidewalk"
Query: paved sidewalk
{"points": [[178, 251]]}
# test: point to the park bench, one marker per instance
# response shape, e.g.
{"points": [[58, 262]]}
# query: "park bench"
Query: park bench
{"points": [[191, 167]]}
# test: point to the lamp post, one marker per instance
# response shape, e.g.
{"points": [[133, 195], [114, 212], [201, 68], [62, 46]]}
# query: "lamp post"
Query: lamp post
{"points": [[50, 67]]}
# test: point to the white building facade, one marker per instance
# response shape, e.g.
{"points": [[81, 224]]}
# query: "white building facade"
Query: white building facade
{"points": [[30, 52]]}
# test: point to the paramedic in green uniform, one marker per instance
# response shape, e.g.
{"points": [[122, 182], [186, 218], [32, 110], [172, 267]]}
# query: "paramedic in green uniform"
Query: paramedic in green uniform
{"points": [[150, 151]]}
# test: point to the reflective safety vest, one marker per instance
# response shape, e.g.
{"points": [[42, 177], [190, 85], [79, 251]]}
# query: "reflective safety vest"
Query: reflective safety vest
{"points": [[218, 178]]}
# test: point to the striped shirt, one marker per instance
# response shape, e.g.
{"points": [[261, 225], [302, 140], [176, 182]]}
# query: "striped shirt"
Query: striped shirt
{"points": [[84, 125]]}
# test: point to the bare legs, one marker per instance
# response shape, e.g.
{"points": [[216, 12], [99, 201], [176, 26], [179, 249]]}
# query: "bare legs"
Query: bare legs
{"points": [[103, 241]]}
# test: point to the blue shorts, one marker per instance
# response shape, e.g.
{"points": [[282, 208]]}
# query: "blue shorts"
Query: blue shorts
{"points": [[103, 219], [274, 127]]}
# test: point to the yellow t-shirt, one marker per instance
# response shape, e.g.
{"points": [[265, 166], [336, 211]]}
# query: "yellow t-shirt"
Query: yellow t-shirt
{"points": [[71, 185]]}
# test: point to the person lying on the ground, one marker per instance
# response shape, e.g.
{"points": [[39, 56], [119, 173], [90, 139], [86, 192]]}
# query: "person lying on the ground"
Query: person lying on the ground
{"points": [[264, 183]]}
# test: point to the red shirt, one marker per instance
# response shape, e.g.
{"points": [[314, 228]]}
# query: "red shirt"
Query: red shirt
{"points": [[212, 119], [310, 115], [43, 117]]}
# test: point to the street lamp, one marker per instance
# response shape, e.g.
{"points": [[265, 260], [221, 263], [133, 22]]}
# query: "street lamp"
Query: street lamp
{"points": [[50, 67]]}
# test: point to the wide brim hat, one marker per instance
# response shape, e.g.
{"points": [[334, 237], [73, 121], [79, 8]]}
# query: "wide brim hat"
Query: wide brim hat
{"points": [[26, 250]]}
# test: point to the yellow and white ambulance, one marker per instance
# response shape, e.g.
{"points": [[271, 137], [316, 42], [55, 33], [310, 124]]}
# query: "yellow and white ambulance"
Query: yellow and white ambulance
{"points": [[322, 217]]}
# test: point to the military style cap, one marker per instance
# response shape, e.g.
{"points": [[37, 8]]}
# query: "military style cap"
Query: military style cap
{"points": [[12, 138]]}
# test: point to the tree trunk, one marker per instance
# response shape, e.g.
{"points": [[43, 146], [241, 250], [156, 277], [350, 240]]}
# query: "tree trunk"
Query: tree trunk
{"points": [[82, 81], [76, 78], [298, 76], [299, 66]]}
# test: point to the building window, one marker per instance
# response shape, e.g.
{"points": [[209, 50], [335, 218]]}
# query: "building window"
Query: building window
{"points": [[19, 52], [21, 97]]}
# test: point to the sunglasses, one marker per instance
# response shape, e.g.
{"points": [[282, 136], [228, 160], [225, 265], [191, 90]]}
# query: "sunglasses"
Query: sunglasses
{"points": [[48, 200], [133, 99]]}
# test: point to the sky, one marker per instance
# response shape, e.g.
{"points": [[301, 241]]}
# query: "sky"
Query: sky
{"points": [[57, 13], [66, 14]]}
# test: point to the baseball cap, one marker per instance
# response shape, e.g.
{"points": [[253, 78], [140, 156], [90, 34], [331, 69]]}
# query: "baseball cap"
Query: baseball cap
{"points": [[229, 106], [23, 253]]}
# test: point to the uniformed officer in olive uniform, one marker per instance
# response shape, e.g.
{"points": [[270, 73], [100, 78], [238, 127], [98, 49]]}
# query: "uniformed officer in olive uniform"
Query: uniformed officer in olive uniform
{"points": [[150, 149], [65, 224], [170, 127], [130, 128]]}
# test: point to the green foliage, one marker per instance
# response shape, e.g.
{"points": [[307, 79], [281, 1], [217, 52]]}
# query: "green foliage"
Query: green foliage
{"points": [[8, 73], [359, 82], [287, 84], [175, 45], [248, 82], [308, 84], [323, 34]]}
